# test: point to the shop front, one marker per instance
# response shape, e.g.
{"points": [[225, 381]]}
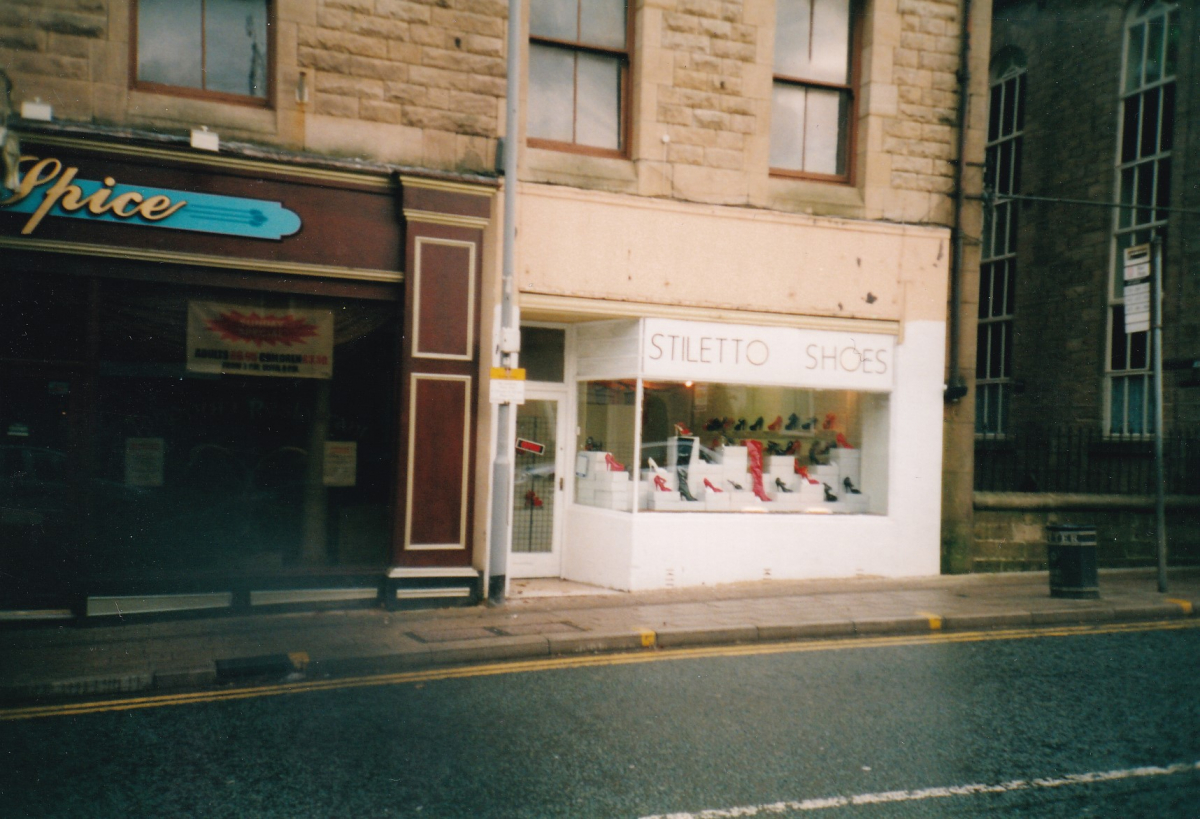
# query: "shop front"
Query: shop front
{"points": [[212, 370], [718, 443]]}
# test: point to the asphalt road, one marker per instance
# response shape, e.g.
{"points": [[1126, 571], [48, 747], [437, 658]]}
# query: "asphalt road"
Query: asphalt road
{"points": [[1090, 724]]}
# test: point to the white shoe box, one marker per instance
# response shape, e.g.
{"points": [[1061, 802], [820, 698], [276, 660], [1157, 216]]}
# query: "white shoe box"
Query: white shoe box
{"points": [[743, 500], [619, 499], [811, 492], [779, 465], [854, 504], [671, 502], [827, 473], [607, 479], [785, 502], [734, 459], [716, 501], [585, 493], [848, 462]]}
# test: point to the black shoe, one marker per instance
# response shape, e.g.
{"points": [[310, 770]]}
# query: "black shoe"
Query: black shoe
{"points": [[684, 492], [850, 487], [704, 456], [776, 449], [735, 485], [793, 422], [714, 424], [757, 425], [740, 425], [811, 423], [781, 486], [829, 496]]}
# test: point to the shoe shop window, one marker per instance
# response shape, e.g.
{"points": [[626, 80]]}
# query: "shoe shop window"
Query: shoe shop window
{"points": [[729, 448]]}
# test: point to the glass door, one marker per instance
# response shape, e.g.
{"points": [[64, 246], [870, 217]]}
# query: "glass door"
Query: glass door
{"points": [[538, 488]]}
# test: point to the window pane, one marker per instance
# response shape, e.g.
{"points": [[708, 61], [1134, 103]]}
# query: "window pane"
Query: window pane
{"points": [[1172, 44], [812, 40], [822, 132], [169, 42], [1117, 406], [598, 120], [994, 112], [1129, 130], [554, 18], [787, 127], [236, 39], [603, 22], [543, 353], [1008, 114], [1135, 410], [1138, 349], [551, 93], [1133, 59], [1118, 358], [981, 350], [1168, 117], [831, 41], [1154, 47], [1149, 139], [1021, 103]]}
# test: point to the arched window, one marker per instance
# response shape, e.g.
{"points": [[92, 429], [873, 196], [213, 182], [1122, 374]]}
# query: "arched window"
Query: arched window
{"points": [[998, 268], [1151, 48]]}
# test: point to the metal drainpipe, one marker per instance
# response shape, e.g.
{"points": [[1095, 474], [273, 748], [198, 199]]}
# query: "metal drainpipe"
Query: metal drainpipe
{"points": [[956, 387]]}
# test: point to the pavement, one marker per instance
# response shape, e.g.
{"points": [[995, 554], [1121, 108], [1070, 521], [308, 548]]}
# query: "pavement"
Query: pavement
{"points": [[544, 619]]}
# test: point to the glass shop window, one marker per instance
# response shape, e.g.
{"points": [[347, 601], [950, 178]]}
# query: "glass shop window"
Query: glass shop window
{"points": [[543, 353], [732, 448], [604, 449], [243, 432]]}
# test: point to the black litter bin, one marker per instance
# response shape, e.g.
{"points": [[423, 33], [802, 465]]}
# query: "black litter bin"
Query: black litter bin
{"points": [[1071, 552]]}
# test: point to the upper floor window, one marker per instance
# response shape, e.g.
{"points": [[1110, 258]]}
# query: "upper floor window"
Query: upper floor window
{"points": [[812, 96], [578, 74], [1143, 180], [209, 48], [998, 271]]}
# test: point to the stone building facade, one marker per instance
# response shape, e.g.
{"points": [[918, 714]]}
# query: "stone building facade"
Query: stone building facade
{"points": [[1065, 398], [694, 204]]}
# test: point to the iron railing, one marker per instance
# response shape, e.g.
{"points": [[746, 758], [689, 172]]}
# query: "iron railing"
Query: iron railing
{"points": [[1078, 459]]}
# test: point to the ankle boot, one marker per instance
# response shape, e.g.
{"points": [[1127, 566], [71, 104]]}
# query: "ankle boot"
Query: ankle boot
{"points": [[793, 422]]}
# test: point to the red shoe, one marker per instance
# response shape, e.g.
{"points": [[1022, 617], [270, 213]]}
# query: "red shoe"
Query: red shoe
{"points": [[532, 499], [612, 463], [709, 484], [660, 483], [681, 430], [802, 471], [842, 442], [775, 425], [754, 450], [830, 420]]}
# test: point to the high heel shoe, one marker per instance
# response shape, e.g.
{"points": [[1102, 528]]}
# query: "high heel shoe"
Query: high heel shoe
{"points": [[850, 487], [740, 425], [714, 424], [775, 425], [709, 485], [811, 423], [681, 430], [793, 422], [802, 471], [532, 500], [774, 448], [684, 491], [842, 442], [660, 483], [734, 484], [781, 486], [612, 463], [830, 420], [829, 496], [757, 425]]}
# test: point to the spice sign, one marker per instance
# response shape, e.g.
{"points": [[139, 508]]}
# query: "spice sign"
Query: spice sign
{"points": [[735, 353], [237, 340]]}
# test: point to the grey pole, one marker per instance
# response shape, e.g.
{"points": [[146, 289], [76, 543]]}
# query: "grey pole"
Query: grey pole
{"points": [[502, 466], [1160, 503]]}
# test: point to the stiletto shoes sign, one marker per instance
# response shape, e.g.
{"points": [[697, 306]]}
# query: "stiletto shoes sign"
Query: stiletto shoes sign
{"points": [[737, 353]]}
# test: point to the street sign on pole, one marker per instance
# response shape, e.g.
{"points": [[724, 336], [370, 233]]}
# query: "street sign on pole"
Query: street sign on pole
{"points": [[1137, 289]]}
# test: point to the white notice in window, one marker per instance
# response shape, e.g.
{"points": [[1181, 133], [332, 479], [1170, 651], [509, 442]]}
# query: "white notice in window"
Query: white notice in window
{"points": [[144, 461], [1137, 308], [341, 463]]}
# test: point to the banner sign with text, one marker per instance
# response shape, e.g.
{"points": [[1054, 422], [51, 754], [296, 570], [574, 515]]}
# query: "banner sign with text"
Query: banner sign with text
{"points": [[735, 353], [287, 342], [47, 187]]}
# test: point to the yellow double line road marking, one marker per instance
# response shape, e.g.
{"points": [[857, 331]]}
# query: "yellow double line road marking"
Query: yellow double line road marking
{"points": [[586, 661]]}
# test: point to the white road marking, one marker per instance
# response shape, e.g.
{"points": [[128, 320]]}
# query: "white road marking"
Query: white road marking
{"points": [[933, 793]]}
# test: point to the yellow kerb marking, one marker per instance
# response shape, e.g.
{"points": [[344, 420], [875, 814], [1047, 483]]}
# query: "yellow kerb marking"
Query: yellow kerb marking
{"points": [[648, 637], [935, 620], [1186, 605]]}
